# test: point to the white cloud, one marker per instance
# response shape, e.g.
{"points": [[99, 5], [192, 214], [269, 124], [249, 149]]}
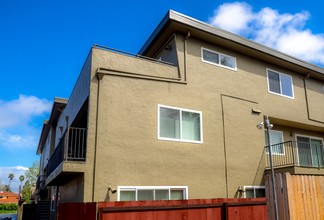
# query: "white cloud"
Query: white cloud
{"points": [[284, 32], [21, 111], [14, 141], [17, 171], [233, 17], [16, 130]]}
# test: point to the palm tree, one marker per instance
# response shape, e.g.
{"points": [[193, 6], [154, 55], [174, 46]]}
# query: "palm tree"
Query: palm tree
{"points": [[11, 176], [21, 178]]}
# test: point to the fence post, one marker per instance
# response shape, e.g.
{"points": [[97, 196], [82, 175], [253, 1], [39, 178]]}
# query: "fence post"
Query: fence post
{"points": [[225, 211], [268, 126]]}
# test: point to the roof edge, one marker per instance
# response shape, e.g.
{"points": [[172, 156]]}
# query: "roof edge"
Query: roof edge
{"points": [[205, 27], [156, 31]]}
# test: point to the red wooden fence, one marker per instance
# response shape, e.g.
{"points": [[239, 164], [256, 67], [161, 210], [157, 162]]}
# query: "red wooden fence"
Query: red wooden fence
{"points": [[197, 209], [77, 211], [193, 209]]}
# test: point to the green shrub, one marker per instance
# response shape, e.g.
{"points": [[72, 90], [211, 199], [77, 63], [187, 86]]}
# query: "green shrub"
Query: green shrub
{"points": [[8, 208]]}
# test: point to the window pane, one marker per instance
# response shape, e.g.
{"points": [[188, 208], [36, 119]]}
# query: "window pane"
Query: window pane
{"points": [[227, 61], [317, 158], [177, 194], [274, 84], [210, 56], [304, 152], [191, 126], [161, 194], [169, 123], [145, 194], [276, 138], [127, 195], [259, 193], [249, 193], [286, 85]]}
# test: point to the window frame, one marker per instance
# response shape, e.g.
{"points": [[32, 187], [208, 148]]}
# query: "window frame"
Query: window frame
{"points": [[181, 110], [219, 55], [136, 188], [309, 137], [280, 84], [283, 147], [254, 190]]}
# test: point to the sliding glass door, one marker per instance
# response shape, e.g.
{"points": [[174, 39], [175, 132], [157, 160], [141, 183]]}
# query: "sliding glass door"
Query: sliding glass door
{"points": [[310, 152]]}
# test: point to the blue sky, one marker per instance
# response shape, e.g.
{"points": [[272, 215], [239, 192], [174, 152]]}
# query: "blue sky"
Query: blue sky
{"points": [[43, 45]]}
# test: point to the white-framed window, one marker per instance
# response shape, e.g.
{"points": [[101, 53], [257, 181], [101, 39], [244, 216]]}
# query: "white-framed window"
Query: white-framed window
{"points": [[149, 193], [218, 59], [276, 141], [310, 151], [178, 124], [280, 83], [254, 191]]}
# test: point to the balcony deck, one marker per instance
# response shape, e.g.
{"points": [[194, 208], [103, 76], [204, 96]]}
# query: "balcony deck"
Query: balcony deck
{"points": [[296, 158], [68, 157]]}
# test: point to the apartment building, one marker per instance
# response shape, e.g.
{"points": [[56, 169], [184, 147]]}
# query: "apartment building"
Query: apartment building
{"points": [[182, 120]]}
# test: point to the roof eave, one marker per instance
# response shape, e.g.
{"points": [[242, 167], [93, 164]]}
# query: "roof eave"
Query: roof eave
{"points": [[58, 106], [186, 23]]}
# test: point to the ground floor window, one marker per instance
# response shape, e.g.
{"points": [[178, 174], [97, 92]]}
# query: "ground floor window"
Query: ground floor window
{"points": [[254, 191], [140, 193]]}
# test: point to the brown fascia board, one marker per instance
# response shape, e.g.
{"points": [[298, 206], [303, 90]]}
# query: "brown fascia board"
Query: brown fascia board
{"points": [[58, 105], [175, 22]]}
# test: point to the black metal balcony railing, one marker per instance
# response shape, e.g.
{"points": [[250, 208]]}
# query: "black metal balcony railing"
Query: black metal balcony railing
{"points": [[293, 153], [71, 147]]}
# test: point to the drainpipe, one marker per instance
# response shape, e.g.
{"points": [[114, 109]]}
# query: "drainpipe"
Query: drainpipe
{"points": [[185, 56], [99, 77]]}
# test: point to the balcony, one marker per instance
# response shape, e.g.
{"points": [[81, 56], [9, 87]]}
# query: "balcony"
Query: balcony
{"points": [[71, 148], [298, 157]]}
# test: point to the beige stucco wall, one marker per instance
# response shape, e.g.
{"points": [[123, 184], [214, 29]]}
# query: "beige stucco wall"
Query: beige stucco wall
{"points": [[123, 147], [129, 152]]}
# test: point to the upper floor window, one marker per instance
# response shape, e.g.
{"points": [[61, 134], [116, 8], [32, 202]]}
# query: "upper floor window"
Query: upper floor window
{"points": [[279, 83], [148, 193], [179, 124], [218, 59]]}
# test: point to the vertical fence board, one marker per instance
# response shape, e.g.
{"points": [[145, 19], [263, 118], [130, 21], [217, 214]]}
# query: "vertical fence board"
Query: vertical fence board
{"points": [[299, 196], [196, 209]]}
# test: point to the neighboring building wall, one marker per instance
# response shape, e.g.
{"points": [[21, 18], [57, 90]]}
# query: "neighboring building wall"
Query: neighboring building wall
{"points": [[8, 197], [45, 153]]}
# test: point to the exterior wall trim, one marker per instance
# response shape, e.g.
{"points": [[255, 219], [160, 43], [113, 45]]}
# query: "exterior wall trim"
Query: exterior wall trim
{"points": [[103, 71]]}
